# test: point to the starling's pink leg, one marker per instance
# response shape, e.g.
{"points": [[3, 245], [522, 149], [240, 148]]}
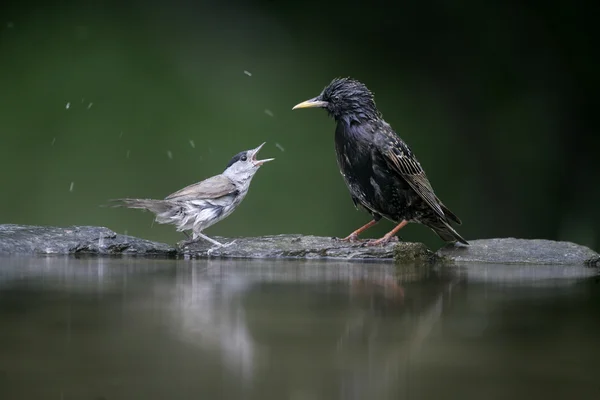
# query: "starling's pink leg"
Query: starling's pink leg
{"points": [[354, 235], [388, 235]]}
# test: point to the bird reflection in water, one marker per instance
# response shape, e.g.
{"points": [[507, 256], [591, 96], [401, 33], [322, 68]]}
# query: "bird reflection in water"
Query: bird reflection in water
{"points": [[387, 288], [209, 315]]}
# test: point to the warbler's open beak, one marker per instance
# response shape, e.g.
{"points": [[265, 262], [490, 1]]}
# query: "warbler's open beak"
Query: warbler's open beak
{"points": [[312, 103], [256, 162]]}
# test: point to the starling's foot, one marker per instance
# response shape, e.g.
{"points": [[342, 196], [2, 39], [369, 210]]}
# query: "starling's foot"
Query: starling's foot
{"points": [[383, 241], [353, 237]]}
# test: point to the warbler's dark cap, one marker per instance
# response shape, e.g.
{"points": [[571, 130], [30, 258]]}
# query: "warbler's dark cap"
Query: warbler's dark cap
{"points": [[250, 155], [239, 156]]}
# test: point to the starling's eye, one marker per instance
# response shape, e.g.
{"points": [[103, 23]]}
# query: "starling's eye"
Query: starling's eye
{"points": [[244, 158]]}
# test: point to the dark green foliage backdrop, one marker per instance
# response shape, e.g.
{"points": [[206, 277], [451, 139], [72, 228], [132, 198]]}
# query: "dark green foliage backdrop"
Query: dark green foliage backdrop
{"points": [[496, 99]]}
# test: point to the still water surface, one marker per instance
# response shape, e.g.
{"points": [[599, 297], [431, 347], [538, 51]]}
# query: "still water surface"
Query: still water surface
{"points": [[161, 329]]}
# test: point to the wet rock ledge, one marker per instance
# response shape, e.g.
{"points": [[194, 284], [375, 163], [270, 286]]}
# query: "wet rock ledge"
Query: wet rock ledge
{"points": [[27, 239], [31, 240]]}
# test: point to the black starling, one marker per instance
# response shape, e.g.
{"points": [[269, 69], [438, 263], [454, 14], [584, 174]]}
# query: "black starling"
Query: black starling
{"points": [[381, 172]]}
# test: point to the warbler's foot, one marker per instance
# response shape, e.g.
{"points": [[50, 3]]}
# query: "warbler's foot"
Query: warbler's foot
{"points": [[219, 246], [184, 243]]}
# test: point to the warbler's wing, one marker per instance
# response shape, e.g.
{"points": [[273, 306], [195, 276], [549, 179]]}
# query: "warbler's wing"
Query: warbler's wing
{"points": [[211, 188]]}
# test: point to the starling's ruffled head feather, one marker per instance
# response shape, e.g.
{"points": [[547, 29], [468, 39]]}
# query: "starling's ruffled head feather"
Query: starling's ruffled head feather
{"points": [[345, 99], [349, 99]]}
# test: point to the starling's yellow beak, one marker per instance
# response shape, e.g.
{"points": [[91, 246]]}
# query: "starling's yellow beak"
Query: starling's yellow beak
{"points": [[312, 103]]}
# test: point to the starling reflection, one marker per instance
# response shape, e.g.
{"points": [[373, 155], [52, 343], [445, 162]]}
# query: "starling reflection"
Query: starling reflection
{"points": [[381, 172]]}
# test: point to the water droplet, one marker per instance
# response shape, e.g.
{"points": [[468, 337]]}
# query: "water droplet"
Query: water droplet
{"points": [[192, 144], [68, 106], [248, 73], [90, 105], [169, 154], [269, 112], [280, 147], [71, 187]]}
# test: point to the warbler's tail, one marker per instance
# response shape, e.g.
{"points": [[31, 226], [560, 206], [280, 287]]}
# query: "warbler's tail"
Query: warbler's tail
{"points": [[155, 206]]}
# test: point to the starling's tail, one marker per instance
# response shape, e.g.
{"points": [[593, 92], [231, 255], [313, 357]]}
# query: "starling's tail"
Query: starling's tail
{"points": [[155, 206], [445, 231], [450, 214]]}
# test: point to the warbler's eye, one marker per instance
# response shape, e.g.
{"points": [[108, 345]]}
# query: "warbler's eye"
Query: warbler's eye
{"points": [[244, 158]]}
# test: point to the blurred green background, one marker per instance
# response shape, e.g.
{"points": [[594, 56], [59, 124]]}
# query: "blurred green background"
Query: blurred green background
{"points": [[497, 99]]}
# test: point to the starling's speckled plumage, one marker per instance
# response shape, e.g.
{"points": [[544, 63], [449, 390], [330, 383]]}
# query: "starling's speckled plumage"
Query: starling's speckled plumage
{"points": [[381, 172]]}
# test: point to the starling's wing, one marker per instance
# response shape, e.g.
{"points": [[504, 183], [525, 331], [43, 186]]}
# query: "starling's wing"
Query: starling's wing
{"points": [[403, 161], [211, 188]]}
